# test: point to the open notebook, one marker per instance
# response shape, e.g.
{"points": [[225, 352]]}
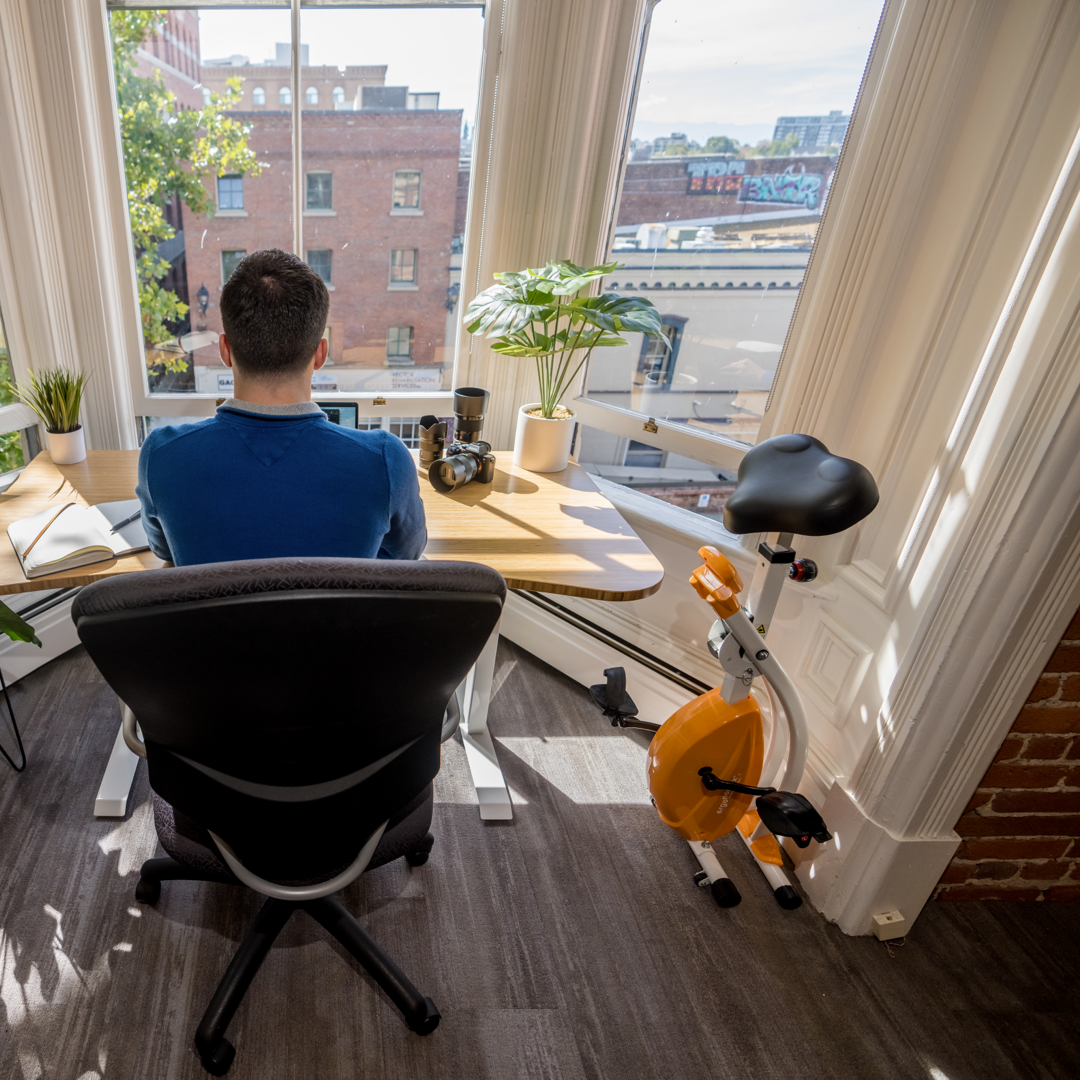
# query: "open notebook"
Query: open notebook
{"points": [[59, 539]]}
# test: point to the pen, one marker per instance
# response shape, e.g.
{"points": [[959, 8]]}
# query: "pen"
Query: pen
{"points": [[127, 521]]}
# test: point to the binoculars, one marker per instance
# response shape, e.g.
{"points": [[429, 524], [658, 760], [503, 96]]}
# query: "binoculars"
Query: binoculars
{"points": [[468, 457]]}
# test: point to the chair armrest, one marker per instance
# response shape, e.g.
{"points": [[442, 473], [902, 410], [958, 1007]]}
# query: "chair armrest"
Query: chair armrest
{"points": [[303, 892], [130, 728]]}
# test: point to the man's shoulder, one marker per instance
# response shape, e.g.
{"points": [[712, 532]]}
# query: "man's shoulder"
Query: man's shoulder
{"points": [[172, 434]]}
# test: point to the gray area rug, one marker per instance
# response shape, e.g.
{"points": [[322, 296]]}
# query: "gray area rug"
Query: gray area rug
{"points": [[570, 944]]}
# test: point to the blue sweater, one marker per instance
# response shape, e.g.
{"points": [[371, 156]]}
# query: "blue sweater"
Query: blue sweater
{"points": [[247, 486]]}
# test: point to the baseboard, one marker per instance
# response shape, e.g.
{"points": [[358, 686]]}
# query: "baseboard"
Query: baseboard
{"points": [[867, 870], [57, 634], [583, 658]]}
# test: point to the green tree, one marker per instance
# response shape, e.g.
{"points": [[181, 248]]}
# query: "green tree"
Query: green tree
{"points": [[721, 144], [168, 151], [784, 147]]}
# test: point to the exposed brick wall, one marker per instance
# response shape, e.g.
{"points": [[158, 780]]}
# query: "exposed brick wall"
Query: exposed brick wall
{"points": [[1021, 830]]}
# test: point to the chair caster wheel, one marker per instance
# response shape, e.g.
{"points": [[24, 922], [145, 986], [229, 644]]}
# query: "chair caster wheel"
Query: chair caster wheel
{"points": [[148, 891], [217, 1063], [420, 855], [426, 1024], [724, 892], [787, 897]]}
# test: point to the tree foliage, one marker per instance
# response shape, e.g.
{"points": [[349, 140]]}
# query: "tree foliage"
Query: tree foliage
{"points": [[721, 144], [784, 147], [168, 151]]}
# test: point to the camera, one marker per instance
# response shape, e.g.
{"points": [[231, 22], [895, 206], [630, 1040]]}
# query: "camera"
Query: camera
{"points": [[468, 457]]}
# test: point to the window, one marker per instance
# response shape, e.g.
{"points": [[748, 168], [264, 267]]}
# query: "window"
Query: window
{"points": [[403, 266], [407, 429], [206, 95], [320, 191], [715, 224], [407, 190], [11, 455], [342, 146], [319, 261], [229, 260], [230, 193], [399, 342]]}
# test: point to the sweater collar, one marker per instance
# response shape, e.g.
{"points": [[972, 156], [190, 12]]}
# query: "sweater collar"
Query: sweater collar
{"points": [[295, 408]]}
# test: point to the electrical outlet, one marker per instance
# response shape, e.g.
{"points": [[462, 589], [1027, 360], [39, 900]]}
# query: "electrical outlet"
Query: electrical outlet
{"points": [[889, 925]]}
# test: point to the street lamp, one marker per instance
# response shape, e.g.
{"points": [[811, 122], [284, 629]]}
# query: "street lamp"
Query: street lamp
{"points": [[202, 297]]}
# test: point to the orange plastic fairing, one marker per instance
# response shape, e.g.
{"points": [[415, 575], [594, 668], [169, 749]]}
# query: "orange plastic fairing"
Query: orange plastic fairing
{"points": [[717, 582], [705, 732]]}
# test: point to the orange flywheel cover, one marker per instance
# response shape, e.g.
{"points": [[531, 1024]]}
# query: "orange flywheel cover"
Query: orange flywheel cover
{"points": [[706, 731]]}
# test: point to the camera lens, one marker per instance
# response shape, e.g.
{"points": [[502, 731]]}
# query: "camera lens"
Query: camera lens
{"points": [[452, 472], [470, 406], [432, 440]]}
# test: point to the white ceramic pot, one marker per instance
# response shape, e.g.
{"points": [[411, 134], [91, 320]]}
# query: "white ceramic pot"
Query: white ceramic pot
{"points": [[67, 447], [542, 445]]}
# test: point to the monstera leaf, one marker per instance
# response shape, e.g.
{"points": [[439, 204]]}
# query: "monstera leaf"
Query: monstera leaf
{"points": [[16, 627], [523, 310]]}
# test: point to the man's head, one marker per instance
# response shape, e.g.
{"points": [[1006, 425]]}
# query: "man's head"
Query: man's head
{"points": [[274, 310]]}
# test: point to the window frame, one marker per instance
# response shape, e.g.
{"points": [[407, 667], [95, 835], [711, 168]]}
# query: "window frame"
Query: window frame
{"points": [[418, 208], [402, 359], [231, 177], [329, 253], [402, 282], [230, 251], [256, 91], [308, 175]]}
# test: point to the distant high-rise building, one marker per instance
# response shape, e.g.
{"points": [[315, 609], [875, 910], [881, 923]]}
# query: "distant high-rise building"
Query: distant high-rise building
{"points": [[814, 132]]}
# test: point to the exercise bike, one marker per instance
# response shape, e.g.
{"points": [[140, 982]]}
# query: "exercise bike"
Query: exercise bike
{"points": [[706, 762]]}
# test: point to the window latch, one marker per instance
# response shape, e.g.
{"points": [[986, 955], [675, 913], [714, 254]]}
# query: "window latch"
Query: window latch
{"points": [[379, 401], [650, 425]]}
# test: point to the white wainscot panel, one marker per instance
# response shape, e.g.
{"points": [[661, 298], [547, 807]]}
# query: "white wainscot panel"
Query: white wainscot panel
{"points": [[835, 665]]}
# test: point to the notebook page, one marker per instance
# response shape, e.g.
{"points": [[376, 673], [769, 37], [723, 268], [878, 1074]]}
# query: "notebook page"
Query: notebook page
{"points": [[128, 538], [73, 533]]}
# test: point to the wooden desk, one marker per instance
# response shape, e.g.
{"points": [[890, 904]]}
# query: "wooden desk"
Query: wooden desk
{"points": [[544, 532]]}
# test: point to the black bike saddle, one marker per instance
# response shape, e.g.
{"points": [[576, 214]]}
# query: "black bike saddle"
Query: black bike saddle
{"points": [[792, 484]]}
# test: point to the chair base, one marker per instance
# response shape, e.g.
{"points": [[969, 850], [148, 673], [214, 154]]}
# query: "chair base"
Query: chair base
{"points": [[215, 1051]]}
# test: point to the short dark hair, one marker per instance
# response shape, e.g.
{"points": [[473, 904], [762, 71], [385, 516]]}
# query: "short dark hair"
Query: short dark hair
{"points": [[274, 309]]}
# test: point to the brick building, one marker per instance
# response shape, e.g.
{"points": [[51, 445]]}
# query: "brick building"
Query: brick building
{"points": [[381, 191], [707, 186]]}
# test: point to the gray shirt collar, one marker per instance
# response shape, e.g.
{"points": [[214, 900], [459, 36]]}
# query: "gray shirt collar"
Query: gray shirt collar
{"points": [[295, 408]]}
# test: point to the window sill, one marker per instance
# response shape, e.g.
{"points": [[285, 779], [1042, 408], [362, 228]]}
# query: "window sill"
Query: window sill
{"points": [[320, 213], [402, 286], [231, 213], [406, 211]]}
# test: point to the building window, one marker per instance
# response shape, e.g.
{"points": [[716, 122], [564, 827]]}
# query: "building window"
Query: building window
{"points": [[339, 95], [312, 96], [407, 190], [320, 191], [284, 96], [403, 266], [258, 96], [230, 193], [229, 262], [407, 429], [320, 262], [399, 341], [206, 95]]}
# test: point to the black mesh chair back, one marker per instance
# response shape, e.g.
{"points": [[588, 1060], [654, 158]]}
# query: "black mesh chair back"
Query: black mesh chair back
{"points": [[279, 699]]}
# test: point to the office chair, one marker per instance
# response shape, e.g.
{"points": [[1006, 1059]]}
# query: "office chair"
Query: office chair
{"points": [[291, 712]]}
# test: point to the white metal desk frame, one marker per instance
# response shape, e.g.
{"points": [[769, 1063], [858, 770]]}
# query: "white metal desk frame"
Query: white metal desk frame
{"points": [[474, 696]]}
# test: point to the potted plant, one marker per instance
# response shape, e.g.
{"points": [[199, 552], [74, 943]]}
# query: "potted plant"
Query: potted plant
{"points": [[56, 396], [538, 313]]}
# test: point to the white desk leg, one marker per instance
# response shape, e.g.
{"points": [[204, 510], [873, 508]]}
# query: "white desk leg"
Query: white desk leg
{"points": [[479, 749], [112, 796]]}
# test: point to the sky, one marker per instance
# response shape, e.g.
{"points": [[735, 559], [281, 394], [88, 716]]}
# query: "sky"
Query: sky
{"points": [[712, 67]]}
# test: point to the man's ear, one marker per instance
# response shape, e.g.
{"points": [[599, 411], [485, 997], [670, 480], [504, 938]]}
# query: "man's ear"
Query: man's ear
{"points": [[321, 353], [224, 351]]}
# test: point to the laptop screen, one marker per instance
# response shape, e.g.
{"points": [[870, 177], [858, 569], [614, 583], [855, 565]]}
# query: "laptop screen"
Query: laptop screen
{"points": [[345, 413]]}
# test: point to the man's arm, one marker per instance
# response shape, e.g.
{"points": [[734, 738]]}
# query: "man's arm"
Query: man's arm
{"points": [[155, 535], [407, 537]]}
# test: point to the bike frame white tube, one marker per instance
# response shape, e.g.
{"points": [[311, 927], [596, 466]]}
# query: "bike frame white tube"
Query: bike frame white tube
{"points": [[705, 855], [747, 637]]}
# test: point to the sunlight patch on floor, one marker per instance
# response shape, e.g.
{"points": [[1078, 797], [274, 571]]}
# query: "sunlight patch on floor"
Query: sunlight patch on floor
{"points": [[587, 769]]}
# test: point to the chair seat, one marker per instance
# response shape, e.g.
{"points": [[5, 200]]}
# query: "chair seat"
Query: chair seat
{"points": [[792, 484], [191, 845]]}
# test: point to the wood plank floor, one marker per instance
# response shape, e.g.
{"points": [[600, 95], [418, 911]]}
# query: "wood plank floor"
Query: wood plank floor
{"points": [[567, 945]]}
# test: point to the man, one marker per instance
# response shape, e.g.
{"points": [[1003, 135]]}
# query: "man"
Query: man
{"points": [[269, 475]]}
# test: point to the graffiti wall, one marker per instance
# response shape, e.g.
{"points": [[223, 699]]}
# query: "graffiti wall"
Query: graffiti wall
{"points": [[791, 187]]}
